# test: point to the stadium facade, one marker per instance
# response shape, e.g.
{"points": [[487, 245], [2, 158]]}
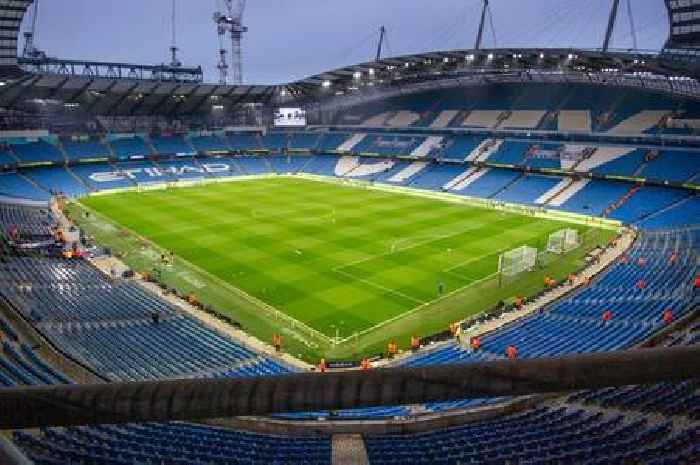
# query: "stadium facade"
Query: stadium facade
{"points": [[555, 371]]}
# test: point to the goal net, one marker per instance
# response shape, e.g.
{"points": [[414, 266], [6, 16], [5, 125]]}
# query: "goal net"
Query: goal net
{"points": [[563, 241], [517, 260]]}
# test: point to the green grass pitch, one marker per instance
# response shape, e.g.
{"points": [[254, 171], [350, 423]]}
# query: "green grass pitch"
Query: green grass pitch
{"points": [[339, 258]]}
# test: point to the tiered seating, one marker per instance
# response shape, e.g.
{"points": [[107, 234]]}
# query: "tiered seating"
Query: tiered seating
{"points": [[59, 179], [544, 156], [673, 166], [681, 398], [14, 185], [275, 141], [402, 119], [523, 119], [126, 147], [429, 147], [459, 147], [543, 435], [210, 143], [626, 165], [304, 141], [171, 443], [490, 183], [171, 145], [640, 122], [647, 200], [283, 164], [33, 152], [176, 347], [574, 325], [322, 164], [595, 197], [108, 325], [388, 145], [510, 153], [184, 169], [240, 142], [252, 164], [681, 214], [90, 175], [367, 169], [435, 177], [574, 120], [30, 221], [331, 141], [528, 188], [7, 158], [85, 149], [21, 366], [483, 118]]}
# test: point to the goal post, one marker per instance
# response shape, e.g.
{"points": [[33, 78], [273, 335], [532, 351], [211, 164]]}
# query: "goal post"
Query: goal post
{"points": [[563, 241], [516, 261]]}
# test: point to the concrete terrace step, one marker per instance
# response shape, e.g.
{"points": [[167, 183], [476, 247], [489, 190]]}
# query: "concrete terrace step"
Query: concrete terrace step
{"points": [[349, 449]]}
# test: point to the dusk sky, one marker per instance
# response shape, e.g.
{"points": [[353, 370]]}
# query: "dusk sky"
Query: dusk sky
{"points": [[291, 39]]}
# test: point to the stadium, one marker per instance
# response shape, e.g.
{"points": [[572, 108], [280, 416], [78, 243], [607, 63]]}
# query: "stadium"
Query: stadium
{"points": [[461, 256]]}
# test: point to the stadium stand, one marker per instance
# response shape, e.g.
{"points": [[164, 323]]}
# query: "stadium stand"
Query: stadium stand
{"points": [[528, 189], [39, 151], [209, 143], [573, 325], [13, 184], [127, 147], [559, 434], [239, 142], [171, 145], [107, 324], [176, 443], [87, 148]]}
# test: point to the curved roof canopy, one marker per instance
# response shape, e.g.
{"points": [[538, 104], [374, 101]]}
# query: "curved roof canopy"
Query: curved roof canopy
{"points": [[125, 89]]}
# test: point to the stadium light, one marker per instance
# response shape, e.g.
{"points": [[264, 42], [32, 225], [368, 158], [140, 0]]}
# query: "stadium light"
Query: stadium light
{"points": [[541, 56], [490, 56]]}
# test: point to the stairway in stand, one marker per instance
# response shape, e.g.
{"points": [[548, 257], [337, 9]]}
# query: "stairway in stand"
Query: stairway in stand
{"points": [[349, 449], [621, 201]]}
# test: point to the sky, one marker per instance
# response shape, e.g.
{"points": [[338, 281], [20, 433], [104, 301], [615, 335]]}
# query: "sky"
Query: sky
{"points": [[292, 39]]}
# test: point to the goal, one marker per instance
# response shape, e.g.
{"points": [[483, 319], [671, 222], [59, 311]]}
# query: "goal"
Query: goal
{"points": [[517, 260], [563, 241]]}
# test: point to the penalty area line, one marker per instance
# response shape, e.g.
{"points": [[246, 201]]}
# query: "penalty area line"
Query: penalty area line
{"points": [[380, 287]]}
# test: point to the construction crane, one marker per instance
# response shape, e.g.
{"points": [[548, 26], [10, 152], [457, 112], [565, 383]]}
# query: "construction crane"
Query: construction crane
{"points": [[174, 61], [30, 51], [229, 20]]}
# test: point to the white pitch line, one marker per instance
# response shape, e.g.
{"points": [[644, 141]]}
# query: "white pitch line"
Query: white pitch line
{"points": [[415, 309], [473, 259], [379, 286], [417, 244]]}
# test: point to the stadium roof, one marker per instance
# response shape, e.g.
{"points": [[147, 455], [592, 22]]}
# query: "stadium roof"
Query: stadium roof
{"points": [[127, 89]]}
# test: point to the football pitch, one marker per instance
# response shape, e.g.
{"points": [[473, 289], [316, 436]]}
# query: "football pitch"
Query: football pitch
{"points": [[341, 260]]}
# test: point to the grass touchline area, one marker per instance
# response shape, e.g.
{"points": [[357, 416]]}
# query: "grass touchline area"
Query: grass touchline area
{"points": [[323, 260]]}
